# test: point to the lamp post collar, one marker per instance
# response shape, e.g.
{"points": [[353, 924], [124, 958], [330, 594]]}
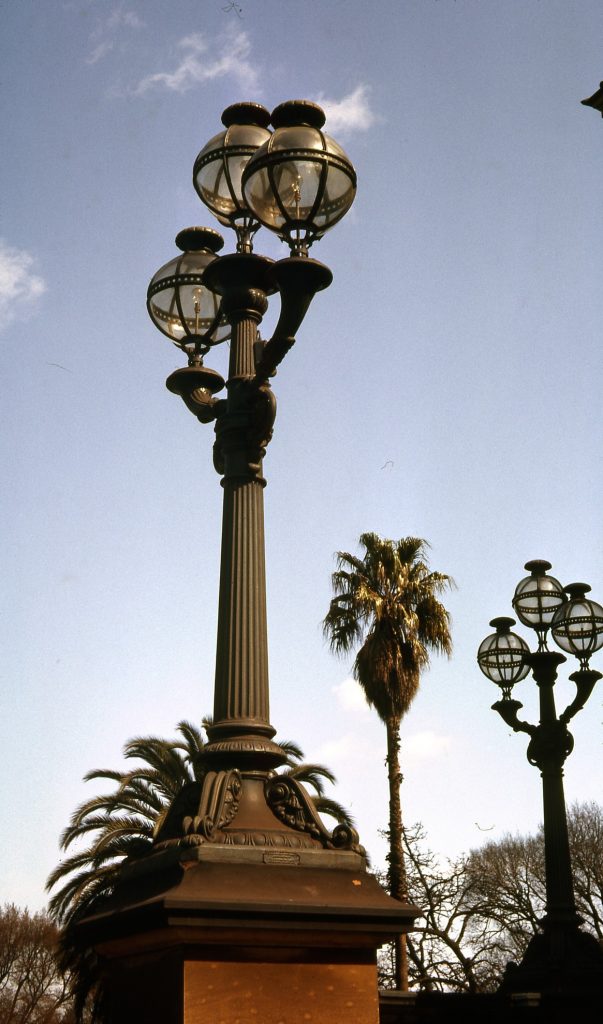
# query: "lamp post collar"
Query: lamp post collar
{"points": [[544, 665]]}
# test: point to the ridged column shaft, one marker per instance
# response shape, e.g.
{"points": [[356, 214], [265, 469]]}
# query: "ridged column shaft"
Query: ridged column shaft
{"points": [[241, 725], [241, 688]]}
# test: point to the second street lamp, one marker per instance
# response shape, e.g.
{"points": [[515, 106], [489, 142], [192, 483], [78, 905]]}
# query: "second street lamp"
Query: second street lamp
{"points": [[562, 957]]}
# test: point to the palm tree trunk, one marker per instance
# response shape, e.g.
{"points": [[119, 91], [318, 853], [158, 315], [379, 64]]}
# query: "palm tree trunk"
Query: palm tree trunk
{"points": [[398, 886]]}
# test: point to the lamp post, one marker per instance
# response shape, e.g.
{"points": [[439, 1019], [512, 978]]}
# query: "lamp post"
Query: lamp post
{"points": [[248, 904], [561, 957], [297, 182]]}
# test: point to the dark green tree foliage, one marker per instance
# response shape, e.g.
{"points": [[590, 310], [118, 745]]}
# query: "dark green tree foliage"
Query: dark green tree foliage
{"points": [[386, 608], [121, 824], [33, 989]]}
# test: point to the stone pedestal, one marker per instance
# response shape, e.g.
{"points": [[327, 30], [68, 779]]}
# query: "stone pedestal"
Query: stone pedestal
{"points": [[250, 936], [182, 990]]}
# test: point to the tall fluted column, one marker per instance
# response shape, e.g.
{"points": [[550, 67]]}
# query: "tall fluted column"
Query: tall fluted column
{"points": [[241, 728], [241, 690]]}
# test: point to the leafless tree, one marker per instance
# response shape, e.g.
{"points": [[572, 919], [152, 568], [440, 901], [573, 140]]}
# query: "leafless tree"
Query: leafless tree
{"points": [[32, 988], [481, 910]]}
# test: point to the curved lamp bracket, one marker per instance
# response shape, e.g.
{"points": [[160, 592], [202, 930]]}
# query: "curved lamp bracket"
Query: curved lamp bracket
{"points": [[298, 279], [585, 680], [507, 710]]}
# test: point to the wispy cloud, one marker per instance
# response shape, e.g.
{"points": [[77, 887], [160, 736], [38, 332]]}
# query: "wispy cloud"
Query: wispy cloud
{"points": [[108, 28], [423, 746], [197, 66], [99, 52], [351, 749], [355, 748], [19, 287], [350, 697], [352, 113]]}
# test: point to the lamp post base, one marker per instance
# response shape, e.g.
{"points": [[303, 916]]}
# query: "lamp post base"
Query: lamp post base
{"points": [[558, 960], [225, 935]]}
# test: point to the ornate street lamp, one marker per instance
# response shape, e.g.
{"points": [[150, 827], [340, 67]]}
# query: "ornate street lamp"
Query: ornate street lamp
{"points": [[561, 957], [297, 182], [248, 903]]}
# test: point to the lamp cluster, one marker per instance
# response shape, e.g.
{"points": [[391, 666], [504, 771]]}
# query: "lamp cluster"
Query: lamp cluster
{"points": [[542, 603], [279, 170], [560, 956]]}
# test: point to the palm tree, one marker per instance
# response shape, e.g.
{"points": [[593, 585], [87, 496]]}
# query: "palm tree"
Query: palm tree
{"points": [[386, 607], [122, 824]]}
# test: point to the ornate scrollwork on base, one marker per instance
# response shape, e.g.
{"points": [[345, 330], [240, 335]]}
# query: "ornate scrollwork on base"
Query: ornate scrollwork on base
{"points": [[291, 804], [204, 811], [344, 837], [191, 822]]}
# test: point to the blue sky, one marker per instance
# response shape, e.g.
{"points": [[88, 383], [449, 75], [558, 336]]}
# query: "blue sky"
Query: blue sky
{"points": [[447, 385]]}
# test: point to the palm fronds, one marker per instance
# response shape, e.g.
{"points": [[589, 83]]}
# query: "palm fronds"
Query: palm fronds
{"points": [[385, 604]]}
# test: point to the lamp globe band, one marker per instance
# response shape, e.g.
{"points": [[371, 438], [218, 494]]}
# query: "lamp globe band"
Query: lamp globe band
{"points": [[501, 656]]}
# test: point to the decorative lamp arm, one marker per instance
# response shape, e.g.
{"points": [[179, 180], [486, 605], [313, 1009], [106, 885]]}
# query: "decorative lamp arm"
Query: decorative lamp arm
{"points": [[196, 386], [298, 278], [585, 680], [507, 710]]}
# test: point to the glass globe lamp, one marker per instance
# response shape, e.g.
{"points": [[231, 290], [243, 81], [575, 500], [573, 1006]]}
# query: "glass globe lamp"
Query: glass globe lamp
{"points": [[219, 168], [501, 656], [537, 598], [300, 182], [179, 304], [577, 626]]}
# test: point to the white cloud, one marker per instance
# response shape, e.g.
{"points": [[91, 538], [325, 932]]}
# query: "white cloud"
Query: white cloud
{"points": [[424, 746], [349, 750], [352, 113], [19, 287], [350, 696], [99, 52], [118, 19], [197, 65], [361, 750]]}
